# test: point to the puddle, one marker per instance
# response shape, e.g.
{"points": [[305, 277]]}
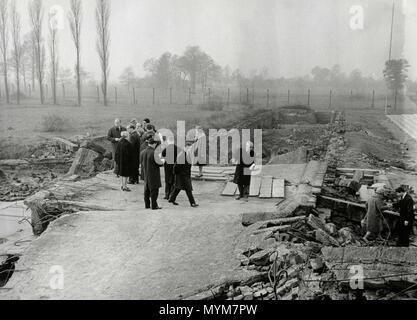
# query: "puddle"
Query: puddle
{"points": [[10, 215]]}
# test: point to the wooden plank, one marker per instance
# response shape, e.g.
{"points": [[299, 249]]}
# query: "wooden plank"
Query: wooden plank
{"points": [[207, 174], [266, 187], [278, 188], [255, 186], [230, 189], [352, 170]]}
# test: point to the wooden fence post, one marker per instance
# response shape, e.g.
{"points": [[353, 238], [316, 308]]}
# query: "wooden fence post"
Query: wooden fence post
{"points": [[267, 98], [308, 98], [189, 96], [134, 96], [228, 96], [395, 99], [373, 98], [247, 95], [330, 102], [289, 94]]}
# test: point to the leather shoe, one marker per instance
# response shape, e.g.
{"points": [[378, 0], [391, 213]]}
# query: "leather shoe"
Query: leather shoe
{"points": [[194, 205], [157, 208]]}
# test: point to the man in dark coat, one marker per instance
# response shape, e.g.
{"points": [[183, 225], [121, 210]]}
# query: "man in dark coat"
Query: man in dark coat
{"points": [[135, 141], [146, 136], [182, 171], [123, 159], [169, 154], [152, 175], [244, 159], [114, 135], [406, 221]]}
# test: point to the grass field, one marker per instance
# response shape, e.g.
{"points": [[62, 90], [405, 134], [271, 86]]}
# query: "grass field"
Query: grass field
{"points": [[22, 125]]}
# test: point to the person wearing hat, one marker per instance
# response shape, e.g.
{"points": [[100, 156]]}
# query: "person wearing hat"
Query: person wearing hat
{"points": [[244, 159], [123, 158], [169, 154], [151, 175], [406, 222], [182, 171], [374, 218], [114, 136], [199, 150], [135, 141]]}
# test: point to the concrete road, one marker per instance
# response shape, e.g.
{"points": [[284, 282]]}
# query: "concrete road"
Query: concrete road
{"points": [[133, 253]]}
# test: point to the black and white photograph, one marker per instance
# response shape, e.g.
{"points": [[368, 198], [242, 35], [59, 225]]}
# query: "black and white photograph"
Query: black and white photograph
{"points": [[222, 151]]}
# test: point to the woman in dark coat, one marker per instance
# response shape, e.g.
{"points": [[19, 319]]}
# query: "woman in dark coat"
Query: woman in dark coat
{"points": [[124, 159], [182, 171], [242, 173]]}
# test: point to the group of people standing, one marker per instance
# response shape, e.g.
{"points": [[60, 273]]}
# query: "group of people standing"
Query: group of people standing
{"points": [[375, 222], [135, 159]]}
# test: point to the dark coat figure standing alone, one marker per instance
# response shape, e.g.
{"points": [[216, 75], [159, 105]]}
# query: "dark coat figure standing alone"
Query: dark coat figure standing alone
{"points": [[169, 154], [242, 173], [114, 136], [124, 159], [152, 175], [182, 171], [134, 139], [406, 221]]}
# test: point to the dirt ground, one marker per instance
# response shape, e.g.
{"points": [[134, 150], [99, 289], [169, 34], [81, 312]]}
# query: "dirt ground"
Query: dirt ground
{"points": [[133, 253]]}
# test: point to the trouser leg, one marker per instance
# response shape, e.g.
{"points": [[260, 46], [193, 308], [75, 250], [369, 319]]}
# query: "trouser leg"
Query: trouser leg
{"points": [[168, 190], [190, 196], [403, 237], [154, 198], [113, 153], [241, 189], [174, 195], [147, 195]]}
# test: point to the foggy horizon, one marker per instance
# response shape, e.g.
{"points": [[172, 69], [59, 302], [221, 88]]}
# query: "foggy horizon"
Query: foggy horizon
{"points": [[288, 38]]}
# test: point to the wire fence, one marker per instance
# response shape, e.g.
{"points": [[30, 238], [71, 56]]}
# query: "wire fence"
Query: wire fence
{"points": [[320, 98]]}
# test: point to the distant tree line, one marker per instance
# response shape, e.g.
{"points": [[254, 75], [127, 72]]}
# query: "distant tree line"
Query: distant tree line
{"points": [[197, 70]]}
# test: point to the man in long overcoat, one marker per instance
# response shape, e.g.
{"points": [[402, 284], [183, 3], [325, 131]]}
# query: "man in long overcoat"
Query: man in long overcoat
{"points": [[134, 139], [169, 154], [245, 159], [182, 171], [406, 221], [374, 219], [152, 175], [114, 136]]}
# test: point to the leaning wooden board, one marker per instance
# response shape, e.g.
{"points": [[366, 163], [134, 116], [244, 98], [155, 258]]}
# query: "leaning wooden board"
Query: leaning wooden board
{"points": [[266, 187], [278, 188], [230, 189], [255, 186]]}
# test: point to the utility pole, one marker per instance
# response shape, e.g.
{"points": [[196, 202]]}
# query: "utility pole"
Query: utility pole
{"points": [[390, 48], [392, 30]]}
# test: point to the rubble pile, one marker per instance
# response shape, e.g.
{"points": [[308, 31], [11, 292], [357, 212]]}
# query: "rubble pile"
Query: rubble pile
{"points": [[80, 156]]}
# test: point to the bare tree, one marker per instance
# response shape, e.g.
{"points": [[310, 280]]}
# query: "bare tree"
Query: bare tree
{"points": [[53, 53], [4, 43], [75, 21], [103, 41], [17, 46], [36, 18]]}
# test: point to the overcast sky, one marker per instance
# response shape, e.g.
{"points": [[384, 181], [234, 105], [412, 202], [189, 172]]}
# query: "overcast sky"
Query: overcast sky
{"points": [[288, 37]]}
